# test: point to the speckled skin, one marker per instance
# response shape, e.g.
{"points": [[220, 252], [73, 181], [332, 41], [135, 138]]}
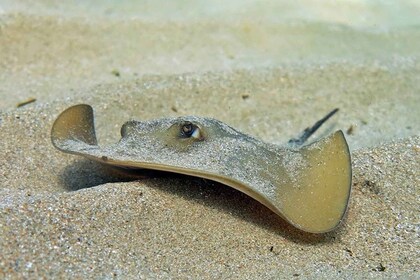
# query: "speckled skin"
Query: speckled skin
{"points": [[266, 172]]}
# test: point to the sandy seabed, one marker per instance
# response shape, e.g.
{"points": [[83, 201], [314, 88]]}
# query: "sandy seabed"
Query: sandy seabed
{"points": [[65, 217]]}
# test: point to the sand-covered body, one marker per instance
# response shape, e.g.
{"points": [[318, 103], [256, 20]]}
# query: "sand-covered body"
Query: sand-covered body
{"points": [[309, 187]]}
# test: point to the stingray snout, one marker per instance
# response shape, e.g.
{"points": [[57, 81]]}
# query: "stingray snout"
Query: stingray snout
{"points": [[127, 128]]}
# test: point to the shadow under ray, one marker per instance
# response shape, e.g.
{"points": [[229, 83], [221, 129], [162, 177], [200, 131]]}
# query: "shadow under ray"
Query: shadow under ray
{"points": [[85, 174], [234, 202]]}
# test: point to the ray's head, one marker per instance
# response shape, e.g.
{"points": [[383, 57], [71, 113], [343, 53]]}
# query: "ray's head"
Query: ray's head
{"points": [[177, 133]]}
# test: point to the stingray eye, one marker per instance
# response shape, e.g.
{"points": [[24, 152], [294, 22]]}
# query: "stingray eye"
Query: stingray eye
{"points": [[191, 130]]}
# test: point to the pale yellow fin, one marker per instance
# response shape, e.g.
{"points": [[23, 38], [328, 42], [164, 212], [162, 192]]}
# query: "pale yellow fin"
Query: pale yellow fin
{"points": [[318, 200], [76, 124]]}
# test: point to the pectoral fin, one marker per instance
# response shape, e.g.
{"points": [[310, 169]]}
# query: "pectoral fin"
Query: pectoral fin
{"points": [[74, 125], [318, 201]]}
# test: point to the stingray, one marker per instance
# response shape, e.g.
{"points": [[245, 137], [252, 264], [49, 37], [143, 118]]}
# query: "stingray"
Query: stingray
{"points": [[309, 186]]}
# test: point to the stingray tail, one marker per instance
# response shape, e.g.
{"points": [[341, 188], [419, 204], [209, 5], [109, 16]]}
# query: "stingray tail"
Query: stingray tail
{"points": [[318, 198], [75, 124]]}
